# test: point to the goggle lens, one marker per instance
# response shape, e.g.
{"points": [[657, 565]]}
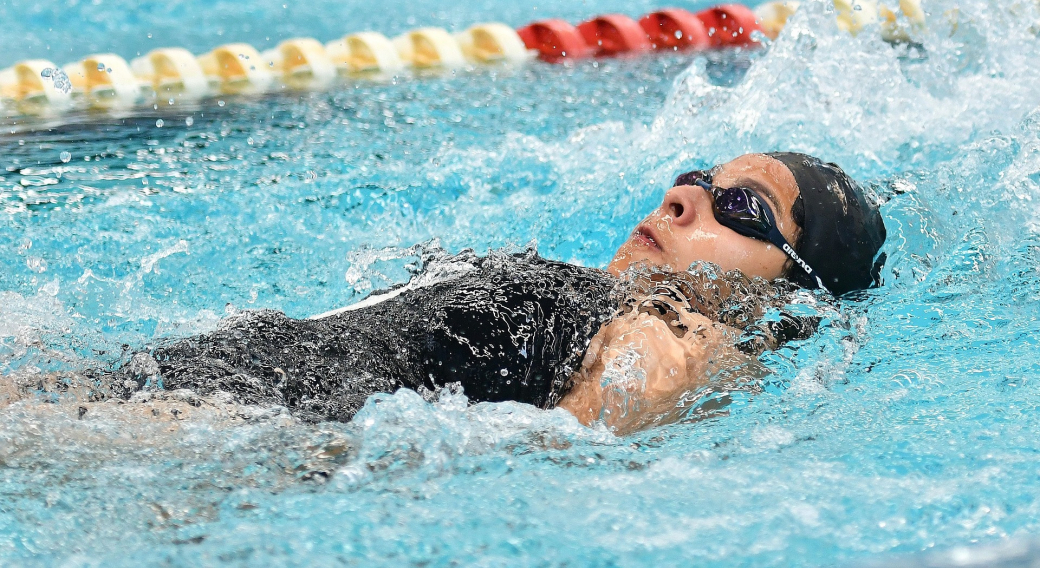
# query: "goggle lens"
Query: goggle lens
{"points": [[739, 205], [738, 208]]}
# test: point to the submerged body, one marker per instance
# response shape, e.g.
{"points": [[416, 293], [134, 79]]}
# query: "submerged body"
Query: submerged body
{"points": [[504, 327]]}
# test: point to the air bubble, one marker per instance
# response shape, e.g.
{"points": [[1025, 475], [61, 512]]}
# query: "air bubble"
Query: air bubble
{"points": [[159, 123], [220, 103], [189, 121], [66, 157], [58, 77]]}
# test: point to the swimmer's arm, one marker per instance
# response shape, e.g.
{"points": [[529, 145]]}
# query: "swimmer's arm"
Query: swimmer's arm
{"points": [[640, 366]]}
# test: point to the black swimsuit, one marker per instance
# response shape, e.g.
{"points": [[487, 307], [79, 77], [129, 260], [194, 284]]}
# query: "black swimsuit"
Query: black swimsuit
{"points": [[506, 327]]}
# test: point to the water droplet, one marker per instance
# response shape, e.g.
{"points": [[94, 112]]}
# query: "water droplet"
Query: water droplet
{"points": [[159, 123], [65, 157], [46, 72], [504, 372], [100, 66], [220, 103], [678, 34], [170, 101], [189, 121], [149, 36]]}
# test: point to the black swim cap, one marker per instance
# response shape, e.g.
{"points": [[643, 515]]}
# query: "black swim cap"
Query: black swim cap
{"points": [[842, 230]]}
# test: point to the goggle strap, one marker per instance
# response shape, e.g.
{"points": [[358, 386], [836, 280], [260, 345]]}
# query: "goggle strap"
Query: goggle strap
{"points": [[778, 240]]}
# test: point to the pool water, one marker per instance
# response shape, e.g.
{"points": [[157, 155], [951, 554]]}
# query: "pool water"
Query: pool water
{"points": [[917, 436]]}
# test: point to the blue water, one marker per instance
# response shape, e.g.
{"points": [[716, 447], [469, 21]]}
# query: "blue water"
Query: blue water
{"points": [[918, 434]]}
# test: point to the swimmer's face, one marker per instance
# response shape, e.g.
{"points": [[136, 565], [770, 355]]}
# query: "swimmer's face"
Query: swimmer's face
{"points": [[683, 229]]}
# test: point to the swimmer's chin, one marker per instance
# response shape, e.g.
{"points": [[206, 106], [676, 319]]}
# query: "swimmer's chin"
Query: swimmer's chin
{"points": [[637, 256], [629, 266]]}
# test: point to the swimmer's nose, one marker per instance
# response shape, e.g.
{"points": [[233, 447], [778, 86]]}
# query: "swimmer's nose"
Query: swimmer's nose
{"points": [[683, 203]]}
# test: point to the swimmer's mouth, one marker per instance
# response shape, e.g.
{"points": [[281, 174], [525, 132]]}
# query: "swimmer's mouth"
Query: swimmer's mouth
{"points": [[644, 235]]}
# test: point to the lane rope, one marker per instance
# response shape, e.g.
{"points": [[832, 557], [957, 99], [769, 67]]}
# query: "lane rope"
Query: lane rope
{"points": [[107, 82]]}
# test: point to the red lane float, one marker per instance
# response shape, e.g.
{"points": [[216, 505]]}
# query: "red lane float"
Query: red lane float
{"points": [[675, 29], [554, 40], [613, 33], [730, 25], [725, 25]]}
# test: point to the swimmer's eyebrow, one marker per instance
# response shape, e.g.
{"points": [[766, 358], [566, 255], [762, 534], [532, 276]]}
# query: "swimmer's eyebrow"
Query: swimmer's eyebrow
{"points": [[763, 191]]}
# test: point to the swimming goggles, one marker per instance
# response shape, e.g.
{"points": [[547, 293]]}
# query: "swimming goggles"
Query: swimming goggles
{"points": [[745, 212]]}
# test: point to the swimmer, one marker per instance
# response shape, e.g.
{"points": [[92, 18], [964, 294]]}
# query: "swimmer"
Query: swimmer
{"points": [[623, 345]]}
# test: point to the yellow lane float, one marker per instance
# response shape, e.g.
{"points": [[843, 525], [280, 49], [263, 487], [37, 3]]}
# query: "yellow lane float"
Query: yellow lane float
{"points": [[425, 48], [172, 72], [772, 16], [364, 52], [29, 87], [236, 68], [105, 81], [892, 29], [301, 63], [491, 42], [853, 15]]}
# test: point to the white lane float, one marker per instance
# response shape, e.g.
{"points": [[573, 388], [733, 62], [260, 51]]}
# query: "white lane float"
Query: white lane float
{"points": [[301, 63], [364, 52], [236, 68], [772, 16], [854, 15], [426, 48], [894, 29], [104, 81], [492, 42], [172, 73], [35, 87]]}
